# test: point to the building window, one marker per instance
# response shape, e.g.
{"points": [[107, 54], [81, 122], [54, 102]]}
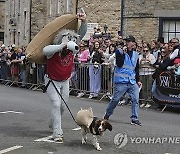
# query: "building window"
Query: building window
{"points": [[14, 8], [170, 28], [2, 36], [67, 6], [25, 18], [59, 7], [90, 30], [49, 7]]}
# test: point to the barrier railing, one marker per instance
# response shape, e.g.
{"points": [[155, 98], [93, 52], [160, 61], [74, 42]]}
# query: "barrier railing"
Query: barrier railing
{"points": [[23, 75], [86, 78], [93, 79], [146, 73]]}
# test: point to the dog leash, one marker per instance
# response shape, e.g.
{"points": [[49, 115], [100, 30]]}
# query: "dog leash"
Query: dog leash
{"points": [[44, 90]]}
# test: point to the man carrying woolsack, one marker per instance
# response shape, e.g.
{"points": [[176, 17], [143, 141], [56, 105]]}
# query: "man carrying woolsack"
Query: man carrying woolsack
{"points": [[60, 58]]}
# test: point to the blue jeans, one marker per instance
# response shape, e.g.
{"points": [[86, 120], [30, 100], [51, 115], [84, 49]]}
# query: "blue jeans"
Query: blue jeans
{"points": [[23, 77], [119, 91]]}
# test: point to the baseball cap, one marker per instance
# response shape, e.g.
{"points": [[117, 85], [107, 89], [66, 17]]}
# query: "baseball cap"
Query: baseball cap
{"points": [[177, 60], [129, 38]]}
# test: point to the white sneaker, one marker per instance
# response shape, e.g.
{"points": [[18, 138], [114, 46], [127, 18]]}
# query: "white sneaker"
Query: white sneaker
{"points": [[148, 106], [80, 94], [58, 139], [90, 96], [142, 105], [122, 102]]}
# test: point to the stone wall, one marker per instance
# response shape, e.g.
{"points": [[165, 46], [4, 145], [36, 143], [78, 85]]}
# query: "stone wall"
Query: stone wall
{"points": [[140, 17], [141, 20], [148, 7], [143, 29], [2, 16], [38, 16], [2, 19], [17, 22], [103, 12], [42, 14]]}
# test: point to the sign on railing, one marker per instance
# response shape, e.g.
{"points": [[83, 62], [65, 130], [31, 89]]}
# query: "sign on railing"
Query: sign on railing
{"points": [[167, 88]]}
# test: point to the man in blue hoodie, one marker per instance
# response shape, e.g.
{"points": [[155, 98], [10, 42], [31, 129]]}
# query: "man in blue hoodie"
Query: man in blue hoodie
{"points": [[126, 79]]}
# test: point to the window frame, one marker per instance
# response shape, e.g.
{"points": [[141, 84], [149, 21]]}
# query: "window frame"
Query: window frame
{"points": [[2, 36], [162, 20]]}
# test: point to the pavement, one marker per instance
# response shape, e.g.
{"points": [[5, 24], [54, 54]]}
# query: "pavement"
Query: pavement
{"points": [[25, 114]]}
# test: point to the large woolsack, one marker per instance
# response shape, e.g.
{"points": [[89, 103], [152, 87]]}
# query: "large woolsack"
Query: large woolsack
{"points": [[85, 117], [34, 50]]}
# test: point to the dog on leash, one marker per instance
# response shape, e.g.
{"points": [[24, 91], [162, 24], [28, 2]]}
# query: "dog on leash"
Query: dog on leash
{"points": [[95, 126]]}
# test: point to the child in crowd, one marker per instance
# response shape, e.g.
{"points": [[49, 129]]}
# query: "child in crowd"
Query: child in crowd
{"points": [[176, 67]]}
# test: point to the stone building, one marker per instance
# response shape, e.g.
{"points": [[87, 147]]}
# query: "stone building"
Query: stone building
{"points": [[145, 19], [2, 20], [17, 22], [24, 19]]}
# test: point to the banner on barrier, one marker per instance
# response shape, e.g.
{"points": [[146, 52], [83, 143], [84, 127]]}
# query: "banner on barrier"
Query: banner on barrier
{"points": [[167, 88]]}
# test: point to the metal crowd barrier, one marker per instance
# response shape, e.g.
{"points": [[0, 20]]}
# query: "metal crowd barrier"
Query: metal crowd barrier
{"points": [[146, 73], [85, 73], [81, 79], [23, 76]]}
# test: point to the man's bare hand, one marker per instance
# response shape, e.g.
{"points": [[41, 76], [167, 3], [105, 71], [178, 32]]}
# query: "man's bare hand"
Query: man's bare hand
{"points": [[139, 84], [124, 49], [82, 15]]}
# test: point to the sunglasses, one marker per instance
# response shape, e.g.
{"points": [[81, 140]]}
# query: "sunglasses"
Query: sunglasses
{"points": [[163, 51], [145, 50]]}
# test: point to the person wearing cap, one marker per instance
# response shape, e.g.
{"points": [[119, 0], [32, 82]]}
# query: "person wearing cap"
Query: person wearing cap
{"points": [[126, 79], [176, 67]]}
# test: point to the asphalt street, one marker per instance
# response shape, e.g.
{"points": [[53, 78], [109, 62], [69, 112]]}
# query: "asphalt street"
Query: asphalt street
{"points": [[25, 114]]}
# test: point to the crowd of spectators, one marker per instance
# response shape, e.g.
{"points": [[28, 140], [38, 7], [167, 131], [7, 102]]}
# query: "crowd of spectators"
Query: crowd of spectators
{"points": [[16, 70], [154, 57], [95, 57]]}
